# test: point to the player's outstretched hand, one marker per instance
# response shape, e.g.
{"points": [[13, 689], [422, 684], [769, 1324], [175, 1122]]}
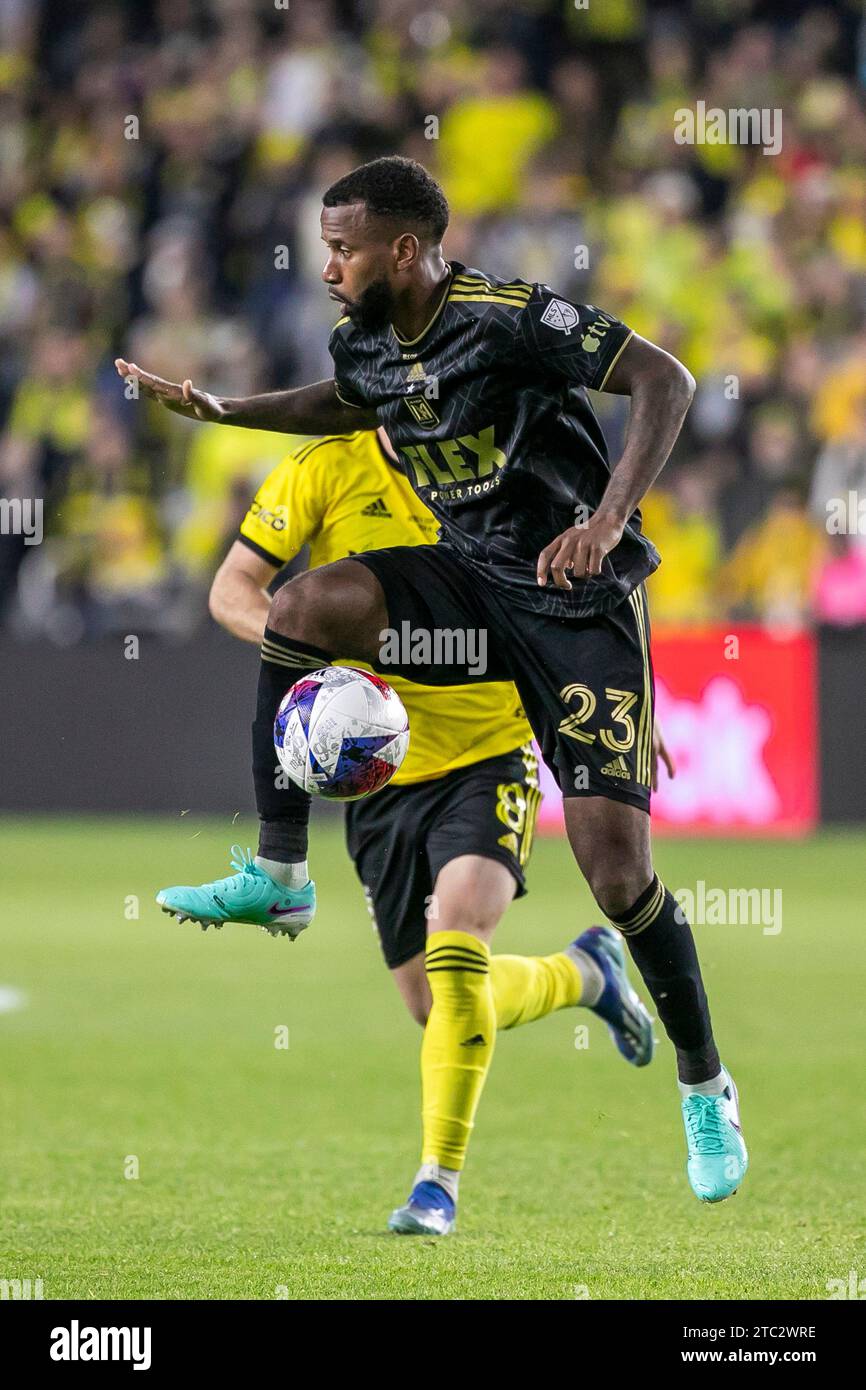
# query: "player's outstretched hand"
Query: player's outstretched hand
{"points": [[579, 551], [660, 752], [183, 398]]}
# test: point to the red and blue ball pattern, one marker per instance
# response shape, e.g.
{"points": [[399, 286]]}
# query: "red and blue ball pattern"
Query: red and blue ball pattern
{"points": [[341, 733]]}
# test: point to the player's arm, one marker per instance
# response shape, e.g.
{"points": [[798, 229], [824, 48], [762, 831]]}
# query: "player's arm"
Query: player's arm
{"points": [[661, 391], [238, 598], [287, 511], [660, 754], [315, 409]]}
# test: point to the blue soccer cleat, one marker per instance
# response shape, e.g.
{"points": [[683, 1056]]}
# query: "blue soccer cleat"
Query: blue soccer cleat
{"points": [[430, 1211], [718, 1158], [250, 895], [628, 1022]]}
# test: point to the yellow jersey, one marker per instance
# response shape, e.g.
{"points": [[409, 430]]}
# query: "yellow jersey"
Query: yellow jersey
{"points": [[341, 495]]}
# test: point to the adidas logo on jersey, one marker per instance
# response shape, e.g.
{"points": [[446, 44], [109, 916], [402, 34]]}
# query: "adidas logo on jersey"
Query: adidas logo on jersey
{"points": [[376, 508], [617, 767]]}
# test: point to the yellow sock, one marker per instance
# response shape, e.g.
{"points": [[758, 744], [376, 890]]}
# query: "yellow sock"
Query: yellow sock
{"points": [[458, 1044], [528, 987]]}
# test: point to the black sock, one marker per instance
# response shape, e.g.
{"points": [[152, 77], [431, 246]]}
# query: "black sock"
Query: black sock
{"points": [[284, 810], [663, 949]]}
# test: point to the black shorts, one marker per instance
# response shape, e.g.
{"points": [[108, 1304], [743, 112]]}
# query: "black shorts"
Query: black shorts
{"points": [[400, 838], [586, 684]]}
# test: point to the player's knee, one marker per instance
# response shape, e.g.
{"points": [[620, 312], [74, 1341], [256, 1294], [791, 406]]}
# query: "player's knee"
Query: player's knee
{"points": [[460, 903], [476, 918], [615, 892], [470, 895], [297, 609], [309, 609], [616, 867], [340, 607]]}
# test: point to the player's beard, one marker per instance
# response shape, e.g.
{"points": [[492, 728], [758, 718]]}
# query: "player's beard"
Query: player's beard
{"points": [[374, 307]]}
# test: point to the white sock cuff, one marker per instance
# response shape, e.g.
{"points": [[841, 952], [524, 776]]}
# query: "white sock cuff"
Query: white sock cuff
{"points": [[449, 1178], [714, 1087], [290, 875], [590, 974]]}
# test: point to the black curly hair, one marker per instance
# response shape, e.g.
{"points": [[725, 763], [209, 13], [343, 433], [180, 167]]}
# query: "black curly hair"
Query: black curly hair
{"points": [[394, 187]]}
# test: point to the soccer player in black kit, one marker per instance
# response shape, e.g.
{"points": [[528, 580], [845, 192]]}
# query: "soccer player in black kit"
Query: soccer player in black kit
{"points": [[481, 386]]}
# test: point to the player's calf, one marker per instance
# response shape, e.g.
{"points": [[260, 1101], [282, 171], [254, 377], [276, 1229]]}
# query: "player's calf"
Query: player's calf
{"points": [[456, 1052], [337, 609], [663, 949], [413, 985]]}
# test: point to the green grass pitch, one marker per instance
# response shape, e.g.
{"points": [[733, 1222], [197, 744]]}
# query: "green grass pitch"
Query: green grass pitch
{"points": [[267, 1172]]}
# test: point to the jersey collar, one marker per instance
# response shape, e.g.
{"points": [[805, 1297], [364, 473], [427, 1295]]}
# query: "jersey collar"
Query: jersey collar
{"points": [[454, 268]]}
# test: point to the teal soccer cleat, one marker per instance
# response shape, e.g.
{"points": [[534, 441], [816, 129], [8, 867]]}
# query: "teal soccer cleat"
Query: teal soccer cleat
{"points": [[718, 1158], [250, 895]]}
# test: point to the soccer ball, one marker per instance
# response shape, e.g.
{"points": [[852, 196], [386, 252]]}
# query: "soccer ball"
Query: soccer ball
{"points": [[341, 733]]}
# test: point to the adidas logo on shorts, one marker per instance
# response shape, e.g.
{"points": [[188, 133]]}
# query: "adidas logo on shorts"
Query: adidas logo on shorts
{"points": [[617, 767]]}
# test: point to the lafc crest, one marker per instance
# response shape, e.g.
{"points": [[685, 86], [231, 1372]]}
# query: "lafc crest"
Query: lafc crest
{"points": [[419, 405], [422, 411]]}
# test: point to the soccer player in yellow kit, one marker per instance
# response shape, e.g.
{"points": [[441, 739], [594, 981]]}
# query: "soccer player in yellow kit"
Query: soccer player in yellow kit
{"points": [[455, 824]]}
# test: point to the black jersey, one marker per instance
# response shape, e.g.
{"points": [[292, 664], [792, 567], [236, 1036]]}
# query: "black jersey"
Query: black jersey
{"points": [[488, 411]]}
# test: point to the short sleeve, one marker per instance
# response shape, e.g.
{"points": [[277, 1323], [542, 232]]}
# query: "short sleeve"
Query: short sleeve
{"points": [[346, 391], [347, 396], [578, 343], [286, 511]]}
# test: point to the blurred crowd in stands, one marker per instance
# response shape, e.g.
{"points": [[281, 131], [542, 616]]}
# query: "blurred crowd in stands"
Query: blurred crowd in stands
{"points": [[163, 162]]}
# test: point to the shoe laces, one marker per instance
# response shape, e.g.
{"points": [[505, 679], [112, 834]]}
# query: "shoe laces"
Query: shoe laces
{"points": [[706, 1124], [242, 862]]}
